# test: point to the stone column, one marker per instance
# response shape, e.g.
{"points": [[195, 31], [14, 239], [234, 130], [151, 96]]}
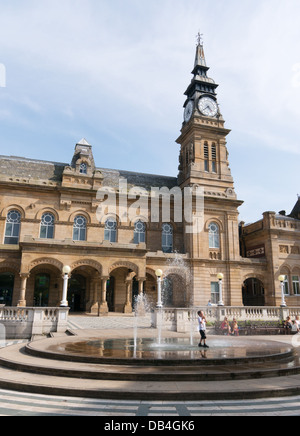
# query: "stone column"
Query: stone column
{"points": [[128, 305], [103, 307], [141, 285], [93, 303], [22, 299]]}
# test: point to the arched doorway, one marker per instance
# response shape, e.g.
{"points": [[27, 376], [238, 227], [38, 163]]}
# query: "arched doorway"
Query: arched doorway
{"points": [[77, 293], [253, 292], [167, 292], [150, 289], [110, 294], [41, 290], [120, 292], [7, 281], [135, 291]]}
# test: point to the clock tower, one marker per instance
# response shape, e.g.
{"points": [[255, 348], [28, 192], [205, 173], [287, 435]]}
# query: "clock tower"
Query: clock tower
{"points": [[203, 162], [203, 154]]}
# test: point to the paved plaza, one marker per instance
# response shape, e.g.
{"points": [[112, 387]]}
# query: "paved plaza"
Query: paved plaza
{"points": [[18, 403]]}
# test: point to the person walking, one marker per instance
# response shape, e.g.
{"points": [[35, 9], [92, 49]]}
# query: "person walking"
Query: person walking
{"points": [[202, 329]]}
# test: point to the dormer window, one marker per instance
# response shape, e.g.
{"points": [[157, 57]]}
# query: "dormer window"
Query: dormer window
{"points": [[83, 168]]}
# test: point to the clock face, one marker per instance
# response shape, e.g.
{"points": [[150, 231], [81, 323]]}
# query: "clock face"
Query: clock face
{"points": [[188, 112], [208, 107]]}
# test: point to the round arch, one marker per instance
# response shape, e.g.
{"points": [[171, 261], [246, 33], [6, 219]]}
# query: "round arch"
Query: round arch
{"points": [[124, 264], [214, 220], [41, 212], [81, 213], [253, 292], [5, 211], [45, 261], [87, 262]]}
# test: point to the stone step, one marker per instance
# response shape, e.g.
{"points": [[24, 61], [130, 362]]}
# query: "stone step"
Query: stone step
{"points": [[151, 391], [16, 358]]}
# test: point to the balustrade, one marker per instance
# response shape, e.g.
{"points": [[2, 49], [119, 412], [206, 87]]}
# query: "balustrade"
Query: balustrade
{"points": [[180, 319], [23, 323]]}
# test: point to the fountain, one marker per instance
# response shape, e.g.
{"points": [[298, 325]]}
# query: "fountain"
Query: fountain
{"points": [[141, 309]]}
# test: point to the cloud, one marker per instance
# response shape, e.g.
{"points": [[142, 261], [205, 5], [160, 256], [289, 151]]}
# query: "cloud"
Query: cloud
{"points": [[115, 72]]}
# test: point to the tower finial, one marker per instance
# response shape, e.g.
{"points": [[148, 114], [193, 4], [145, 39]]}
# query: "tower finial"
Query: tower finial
{"points": [[199, 39]]}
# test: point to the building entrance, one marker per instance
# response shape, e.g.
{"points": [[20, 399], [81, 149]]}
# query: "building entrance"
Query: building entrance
{"points": [[77, 293], [41, 290], [6, 288], [253, 292]]}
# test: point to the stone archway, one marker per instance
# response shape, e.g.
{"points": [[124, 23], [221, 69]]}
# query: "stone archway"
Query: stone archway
{"points": [[84, 286], [253, 292], [43, 284], [7, 281], [10, 282]]}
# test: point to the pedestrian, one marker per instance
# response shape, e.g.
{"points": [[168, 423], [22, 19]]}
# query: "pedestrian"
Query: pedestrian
{"points": [[202, 329], [295, 328], [235, 328], [225, 327], [287, 325]]}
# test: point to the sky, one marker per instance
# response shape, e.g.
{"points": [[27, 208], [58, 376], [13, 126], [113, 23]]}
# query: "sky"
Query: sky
{"points": [[115, 71]]}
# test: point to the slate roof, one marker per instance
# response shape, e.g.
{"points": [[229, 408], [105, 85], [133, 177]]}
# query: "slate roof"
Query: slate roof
{"points": [[20, 167], [296, 211]]}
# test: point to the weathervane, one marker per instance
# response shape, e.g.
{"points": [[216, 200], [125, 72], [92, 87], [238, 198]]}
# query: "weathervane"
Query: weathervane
{"points": [[199, 39]]}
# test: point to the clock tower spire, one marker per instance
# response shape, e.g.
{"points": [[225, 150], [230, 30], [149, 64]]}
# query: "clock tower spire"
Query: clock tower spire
{"points": [[203, 153]]}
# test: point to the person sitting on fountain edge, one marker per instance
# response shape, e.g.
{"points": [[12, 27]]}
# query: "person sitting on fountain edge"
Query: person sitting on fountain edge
{"points": [[202, 329]]}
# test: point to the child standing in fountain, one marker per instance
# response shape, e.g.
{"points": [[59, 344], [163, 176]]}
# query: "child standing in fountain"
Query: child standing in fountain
{"points": [[202, 329]]}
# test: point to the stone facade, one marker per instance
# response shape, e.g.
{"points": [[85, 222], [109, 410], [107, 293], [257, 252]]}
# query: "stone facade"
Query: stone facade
{"points": [[51, 215], [276, 240]]}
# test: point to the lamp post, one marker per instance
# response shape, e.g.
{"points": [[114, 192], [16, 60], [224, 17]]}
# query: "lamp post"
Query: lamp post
{"points": [[220, 278], [282, 280], [66, 272], [159, 275]]}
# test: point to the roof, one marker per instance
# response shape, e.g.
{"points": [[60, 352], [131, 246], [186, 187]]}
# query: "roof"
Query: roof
{"points": [[30, 170], [296, 211]]}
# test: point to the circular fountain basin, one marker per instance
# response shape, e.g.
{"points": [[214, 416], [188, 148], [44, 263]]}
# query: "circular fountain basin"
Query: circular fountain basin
{"points": [[175, 351]]}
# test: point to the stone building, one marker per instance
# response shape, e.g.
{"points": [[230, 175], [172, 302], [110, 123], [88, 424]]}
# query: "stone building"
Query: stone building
{"points": [[275, 241], [52, 215]]}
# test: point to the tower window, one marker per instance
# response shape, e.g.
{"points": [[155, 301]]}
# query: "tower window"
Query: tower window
{"points": [[83, 168], [296, 285], [206, 157], [214, 236], [214, 158]]}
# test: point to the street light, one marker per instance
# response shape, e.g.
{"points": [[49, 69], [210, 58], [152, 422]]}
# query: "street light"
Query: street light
{"points": [[66, 272], [282, 280], [159, 275], [220, 278]]}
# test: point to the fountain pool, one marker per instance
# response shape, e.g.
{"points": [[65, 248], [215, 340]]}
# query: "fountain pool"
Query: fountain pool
{"points": [[171, 351]]}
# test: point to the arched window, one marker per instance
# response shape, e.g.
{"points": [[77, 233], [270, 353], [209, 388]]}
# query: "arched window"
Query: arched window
{"points": [[167, 238], [214, 158], [110, 232], [206, 157], [214, 235], [139, 232], [83, 168], [79, 229], [12, 228], [47, 226]]}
